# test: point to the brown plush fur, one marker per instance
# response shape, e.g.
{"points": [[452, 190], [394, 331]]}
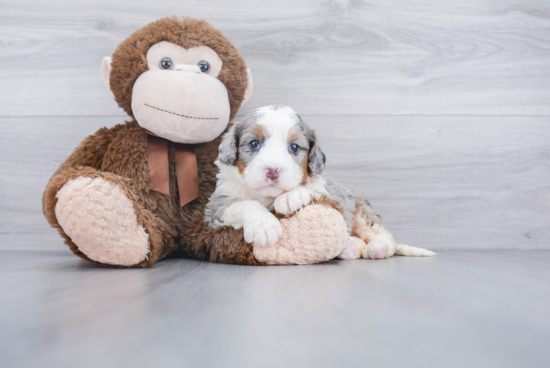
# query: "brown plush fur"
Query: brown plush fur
{"points": [[119, 155]]}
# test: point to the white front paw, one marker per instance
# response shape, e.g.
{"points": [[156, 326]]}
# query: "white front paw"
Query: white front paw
{"points": [[263, 229], [292, 201]]}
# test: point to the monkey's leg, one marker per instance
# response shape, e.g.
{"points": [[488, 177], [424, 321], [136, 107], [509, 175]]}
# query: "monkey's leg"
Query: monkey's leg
{"points": [[317, 233], [222, 245], [98, 215]]}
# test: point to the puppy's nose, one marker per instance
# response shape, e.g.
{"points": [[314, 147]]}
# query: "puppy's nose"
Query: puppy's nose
{"points": [[272, 173]]}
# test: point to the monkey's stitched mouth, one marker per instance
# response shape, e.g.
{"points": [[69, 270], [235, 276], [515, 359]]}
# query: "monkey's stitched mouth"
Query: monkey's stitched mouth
{"points": [[185, 116]]}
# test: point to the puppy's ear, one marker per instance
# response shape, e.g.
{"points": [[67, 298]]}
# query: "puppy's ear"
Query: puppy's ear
{"points": [[228, 148], [316, 157]]}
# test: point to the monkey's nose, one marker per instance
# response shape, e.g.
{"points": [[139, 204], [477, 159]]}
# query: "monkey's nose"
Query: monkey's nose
{"points": [[187, 68], [272, 173]]}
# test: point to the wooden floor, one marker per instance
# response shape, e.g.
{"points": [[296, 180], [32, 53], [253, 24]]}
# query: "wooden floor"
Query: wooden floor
{"points": [[458, 309]]}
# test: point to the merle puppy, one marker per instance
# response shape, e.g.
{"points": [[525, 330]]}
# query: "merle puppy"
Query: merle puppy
{"points": [[270, 160]]}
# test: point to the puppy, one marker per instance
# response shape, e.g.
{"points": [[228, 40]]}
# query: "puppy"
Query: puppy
{"points": [[270, 160]]}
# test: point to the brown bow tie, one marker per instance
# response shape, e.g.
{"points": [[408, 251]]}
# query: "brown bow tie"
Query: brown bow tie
{"points": [[187, 171]]}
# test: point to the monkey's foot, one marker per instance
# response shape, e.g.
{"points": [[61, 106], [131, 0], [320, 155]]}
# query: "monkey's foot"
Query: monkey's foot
{"points": [[316, 233], [100, 219]]}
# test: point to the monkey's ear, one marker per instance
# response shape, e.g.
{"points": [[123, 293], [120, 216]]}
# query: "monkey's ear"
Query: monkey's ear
{"points": [[106, 70], [228, 148], [249, 87]]}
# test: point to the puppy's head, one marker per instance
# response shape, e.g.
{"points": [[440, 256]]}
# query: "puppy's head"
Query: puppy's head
{"points": [[273, 150]]}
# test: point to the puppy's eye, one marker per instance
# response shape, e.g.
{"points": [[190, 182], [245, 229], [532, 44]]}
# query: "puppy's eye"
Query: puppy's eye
{"points": [[205, 67], [166, 63], [254, 145], [293, 148]]}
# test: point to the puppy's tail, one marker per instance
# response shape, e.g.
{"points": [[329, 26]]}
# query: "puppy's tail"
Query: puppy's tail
{"points": [[407, 250]]}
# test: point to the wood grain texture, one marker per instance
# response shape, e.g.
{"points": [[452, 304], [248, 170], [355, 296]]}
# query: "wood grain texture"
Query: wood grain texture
{"points": [[439, 182], [473, 309], [396, 57]]}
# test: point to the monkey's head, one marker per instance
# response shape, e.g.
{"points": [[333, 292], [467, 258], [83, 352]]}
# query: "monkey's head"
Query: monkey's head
{"points": [[181, 79]]}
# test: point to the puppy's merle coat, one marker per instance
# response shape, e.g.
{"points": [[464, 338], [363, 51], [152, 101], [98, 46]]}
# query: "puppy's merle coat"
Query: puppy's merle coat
{"points": [[270, 160]]}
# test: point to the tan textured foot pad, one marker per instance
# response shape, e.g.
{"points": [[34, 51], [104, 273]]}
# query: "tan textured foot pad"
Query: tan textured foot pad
{"points": [[317, 233], [101, 221]]}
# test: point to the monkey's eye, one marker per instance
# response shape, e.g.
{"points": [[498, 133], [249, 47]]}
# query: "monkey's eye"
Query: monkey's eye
{"points": [[205, 67], [254, 145], [293, 148], [166, 63]]}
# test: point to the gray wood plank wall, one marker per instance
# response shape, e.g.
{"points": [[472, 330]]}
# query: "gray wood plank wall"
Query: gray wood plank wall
{"points": [[437, 111]]}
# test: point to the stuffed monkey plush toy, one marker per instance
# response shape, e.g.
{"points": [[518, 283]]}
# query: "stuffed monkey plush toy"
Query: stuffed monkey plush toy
{"points": [[135, 193]]}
